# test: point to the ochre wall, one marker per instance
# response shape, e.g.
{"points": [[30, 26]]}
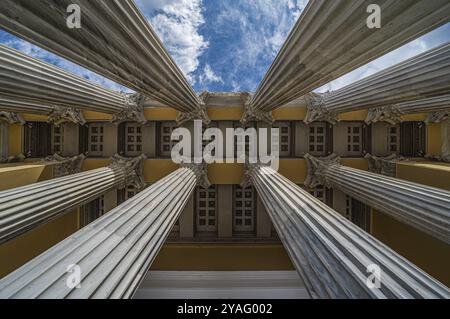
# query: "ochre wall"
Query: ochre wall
{"points": [[22, 249], [428, 253], [221, 257]]}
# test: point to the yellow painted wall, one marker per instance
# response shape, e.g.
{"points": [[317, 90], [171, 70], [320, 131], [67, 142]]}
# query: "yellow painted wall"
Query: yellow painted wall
{"points": [[21, 174], [354, 116], [221, 257], [289, 114], [20, 250], [14, 139], [428, 253], [225, 113], [434, 139], [433, 174], [431, 255]]}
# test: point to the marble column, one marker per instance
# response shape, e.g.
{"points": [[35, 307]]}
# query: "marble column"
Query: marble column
{"points": [[38, 83], [114, 40], [437, 108], [113, 253], [334, 257], [27, 207], [424, 76], [422, 207], [332, 38]]}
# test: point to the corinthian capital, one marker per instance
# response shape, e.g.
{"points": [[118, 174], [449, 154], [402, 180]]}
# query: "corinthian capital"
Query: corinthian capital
{"points": [[134, 110], [317, 169], [437, 117], [133, 168], [199, 114], [201, 173], [384, 165], [61, 115], [390, 114], [12, 159], [317, 109], [66, 165], [251, 114], [12, 118]]}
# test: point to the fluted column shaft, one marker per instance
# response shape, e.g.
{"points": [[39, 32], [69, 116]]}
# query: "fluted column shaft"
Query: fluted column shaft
{"points": [[424, 76], [331, 38], [332, 254], [25, 78], [113, 253], [27, 207], [115, 40], [422, 207], [438, 109]]}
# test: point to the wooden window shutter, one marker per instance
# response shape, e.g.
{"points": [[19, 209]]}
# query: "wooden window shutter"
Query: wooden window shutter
{"points": [[83, 138], [366, 139], [121, 135], [329, 139]]}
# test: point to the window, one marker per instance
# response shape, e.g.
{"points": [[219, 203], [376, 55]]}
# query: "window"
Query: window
{"points": [[244, 209], [37, 139], [358, 213], [358, 139], [125, 194], [165, 135], [206, 209], [3, 140], [354, 139], [393, 139], [325, 195], [319, 193], [286, 138], [133, 139], [57, 139], [413, 139], [317, 139], [95, 139], [91, 211]]}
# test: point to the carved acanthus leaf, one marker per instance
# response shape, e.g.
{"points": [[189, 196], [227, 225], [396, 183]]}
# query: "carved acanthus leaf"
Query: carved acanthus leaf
{"points": [[437, 117], [134, 170], [66, 165], [317, 109], [253, 115], [13, 159], [317, 168], [438, 158], [384, 165], [133, 111], [62, 115], [390, 114], [12, 118], [199, 114]]}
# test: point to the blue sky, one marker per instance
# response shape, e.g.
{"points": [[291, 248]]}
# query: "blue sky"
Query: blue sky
{"points": [[228, 45]]}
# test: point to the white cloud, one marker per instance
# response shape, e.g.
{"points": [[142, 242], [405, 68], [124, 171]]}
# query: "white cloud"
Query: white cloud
{"points": [[177, 22], [263, 27], [208, 76]]}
